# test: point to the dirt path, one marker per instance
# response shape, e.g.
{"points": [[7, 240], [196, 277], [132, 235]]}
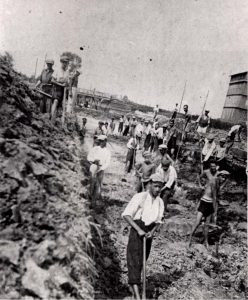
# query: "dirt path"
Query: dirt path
{"points": [[172, 271]]}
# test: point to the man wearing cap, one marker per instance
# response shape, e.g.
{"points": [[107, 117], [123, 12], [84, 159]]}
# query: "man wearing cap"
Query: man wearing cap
{"points": [[155, 110], [147, 135], [208, 150], [174, 115], [144, 214], [143, 171], [98, 131], [132, 146], [169, 175], [99, 158], [126, 126], [203, 123], [62, 81], [106, 129], [162, 153], [82, 131], [44, 80]]}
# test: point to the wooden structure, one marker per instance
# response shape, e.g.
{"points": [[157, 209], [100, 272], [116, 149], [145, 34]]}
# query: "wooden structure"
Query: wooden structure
{"points": [[235, 107]]}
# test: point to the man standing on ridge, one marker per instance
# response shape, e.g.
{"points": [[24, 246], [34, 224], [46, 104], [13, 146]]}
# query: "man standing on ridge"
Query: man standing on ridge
{"points": [[44, 80]]}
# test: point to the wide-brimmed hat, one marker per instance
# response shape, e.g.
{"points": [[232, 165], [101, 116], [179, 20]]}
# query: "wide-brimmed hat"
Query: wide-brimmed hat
{"points": [[223, 140]]}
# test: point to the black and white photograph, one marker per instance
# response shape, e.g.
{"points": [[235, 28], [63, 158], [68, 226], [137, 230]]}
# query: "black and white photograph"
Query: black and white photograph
{"points": [[123, 149]]}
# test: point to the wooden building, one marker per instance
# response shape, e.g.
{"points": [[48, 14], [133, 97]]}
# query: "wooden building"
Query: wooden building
{"points": [[235, 107]]}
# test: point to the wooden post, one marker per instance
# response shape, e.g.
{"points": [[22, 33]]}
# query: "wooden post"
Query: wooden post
{"points": [[182, 96], [144, 269]]}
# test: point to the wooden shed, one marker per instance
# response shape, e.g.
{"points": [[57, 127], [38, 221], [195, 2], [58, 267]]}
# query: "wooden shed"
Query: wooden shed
{"points": [[235, 107]]}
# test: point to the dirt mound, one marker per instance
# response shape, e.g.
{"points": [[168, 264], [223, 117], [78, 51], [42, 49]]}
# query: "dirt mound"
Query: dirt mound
{"points": [[43, 230]]}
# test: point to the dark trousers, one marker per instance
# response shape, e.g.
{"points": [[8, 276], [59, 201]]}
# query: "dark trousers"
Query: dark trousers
{"points": [[130, 159], [120, 128], [147, 142], [126, 130], [135, 252]]}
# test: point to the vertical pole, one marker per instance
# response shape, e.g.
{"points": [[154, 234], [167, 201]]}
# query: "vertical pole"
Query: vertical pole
{"points": [[144, 269], [205, 103], [45, 61], [35, 70], [182, 96]]}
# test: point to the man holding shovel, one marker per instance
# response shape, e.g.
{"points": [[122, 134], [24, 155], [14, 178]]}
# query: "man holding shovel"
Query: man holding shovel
{"points": [[144, 214]]}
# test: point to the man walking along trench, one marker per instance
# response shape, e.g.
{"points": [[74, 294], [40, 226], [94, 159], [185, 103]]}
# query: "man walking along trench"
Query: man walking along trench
{"points": [[144, 214]]}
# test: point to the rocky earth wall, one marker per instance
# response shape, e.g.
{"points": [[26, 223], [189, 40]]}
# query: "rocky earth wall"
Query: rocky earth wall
{"points": [[44, 228]]}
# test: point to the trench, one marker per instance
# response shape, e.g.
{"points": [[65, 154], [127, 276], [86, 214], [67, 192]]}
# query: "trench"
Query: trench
{"points": [[171, 267]]}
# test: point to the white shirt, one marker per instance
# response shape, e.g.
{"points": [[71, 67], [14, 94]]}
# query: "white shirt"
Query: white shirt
{"points": [[159, 132], [101, 154], [156, 109], [62, 75], [208, 149], [143, 207], [147, 129], [105, 130], [139, 129], [234, 128], [169, 177], [132, 143]]}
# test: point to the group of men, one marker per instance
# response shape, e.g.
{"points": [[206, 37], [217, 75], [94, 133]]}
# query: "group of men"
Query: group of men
{"points": [[58, 90], [157, 178]]}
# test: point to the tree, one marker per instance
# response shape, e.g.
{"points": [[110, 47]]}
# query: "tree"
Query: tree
{"points": [[75, 60], [8, 59]]}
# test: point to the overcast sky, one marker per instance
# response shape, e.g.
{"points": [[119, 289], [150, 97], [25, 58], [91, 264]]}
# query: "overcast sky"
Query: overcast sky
{"points": [[143, 49]]}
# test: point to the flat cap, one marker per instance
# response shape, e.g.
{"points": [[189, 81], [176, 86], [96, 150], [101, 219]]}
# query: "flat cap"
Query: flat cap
{"points": [[50, 61], [64, 58], [102, 137], [156, 178], [162, 146]]}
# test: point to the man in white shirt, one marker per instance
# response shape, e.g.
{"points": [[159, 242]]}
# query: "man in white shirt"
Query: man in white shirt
{"points": [[235, 130], [60, 84], [208, 150], [147, 135], [169, 175], [203, 123], [155, 110], [144, 214], [138, 132], [99, 158]]}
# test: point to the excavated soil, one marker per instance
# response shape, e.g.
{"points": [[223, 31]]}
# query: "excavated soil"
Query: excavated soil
{"points": [[173, 272]]}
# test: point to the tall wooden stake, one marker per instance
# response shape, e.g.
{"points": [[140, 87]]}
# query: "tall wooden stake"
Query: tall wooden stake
{"points": [[182, 96], [35, 70]]}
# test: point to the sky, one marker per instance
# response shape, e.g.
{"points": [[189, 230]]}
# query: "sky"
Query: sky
{"points": [[145, 49]]}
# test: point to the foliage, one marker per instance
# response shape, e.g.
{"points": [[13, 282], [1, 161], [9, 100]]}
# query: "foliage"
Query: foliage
{"points": [[75, 60], [8, 59]]}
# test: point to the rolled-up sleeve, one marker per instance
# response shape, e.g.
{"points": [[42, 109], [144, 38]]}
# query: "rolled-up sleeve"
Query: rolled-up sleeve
{"points": [[106, 160], [132, 207], [161, 211], [172, 178]]}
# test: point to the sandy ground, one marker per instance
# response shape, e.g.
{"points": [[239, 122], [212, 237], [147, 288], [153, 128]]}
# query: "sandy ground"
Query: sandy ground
{"points": [[172, 271]]}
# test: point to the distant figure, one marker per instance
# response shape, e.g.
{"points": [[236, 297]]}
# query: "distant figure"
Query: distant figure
{"points": [[126, 126], [99, 157], [59, 89], [44, 81], [147, 135], [112, 126], [138, 132], [143, 171], [187, 121], [131, 153], [172, 139], [235, 130], [203, 123], [155, 110], [82, 131], [98, 131], [174, 115], [106, 129], [120, 128]]}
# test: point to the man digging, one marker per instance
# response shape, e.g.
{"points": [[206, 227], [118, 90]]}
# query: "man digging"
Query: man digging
{"points": [[144, 214]]}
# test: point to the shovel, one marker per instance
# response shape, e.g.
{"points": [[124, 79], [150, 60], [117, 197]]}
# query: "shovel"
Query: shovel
{"points": [[144, 270]]}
